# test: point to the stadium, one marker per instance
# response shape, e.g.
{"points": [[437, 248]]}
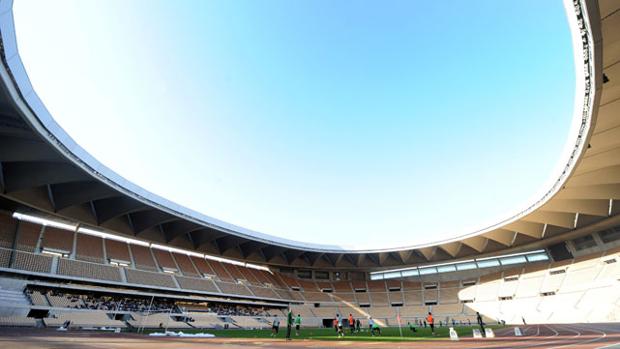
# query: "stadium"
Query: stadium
{"points": [[90, 259]]}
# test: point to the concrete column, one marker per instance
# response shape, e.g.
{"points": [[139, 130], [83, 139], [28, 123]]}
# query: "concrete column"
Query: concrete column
{"points": [[105, 251], [74, 246], [37, 247], [54, 264], [133, 264], [123, 275]]}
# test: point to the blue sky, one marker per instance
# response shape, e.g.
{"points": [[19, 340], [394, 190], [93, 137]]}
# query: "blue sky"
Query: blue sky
{"points": [[355, 123]]}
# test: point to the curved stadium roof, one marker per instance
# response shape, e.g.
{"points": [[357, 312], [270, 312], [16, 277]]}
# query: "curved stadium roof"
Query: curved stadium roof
{"points": [[42, 168]]}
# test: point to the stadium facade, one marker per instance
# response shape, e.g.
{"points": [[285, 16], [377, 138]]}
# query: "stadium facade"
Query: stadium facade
{"points": [[76, 238]]}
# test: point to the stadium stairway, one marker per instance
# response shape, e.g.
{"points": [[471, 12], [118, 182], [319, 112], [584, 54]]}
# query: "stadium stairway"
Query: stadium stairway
{"points": [[13, 298]]}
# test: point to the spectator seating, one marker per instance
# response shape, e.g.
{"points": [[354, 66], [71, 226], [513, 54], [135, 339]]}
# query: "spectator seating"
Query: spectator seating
{"points": [[156, 320], [87, 318], [286, 294], [142, 257], [248, 322], [88, 270], [359, 285], [431, 295], [233, 288], [316, 297], [411, 285], [164, 259], [288, 281], [8, 226], [185, 264], [58, 239], [345, 297], [149, 278], [413, 298], [580, 290], [203, 267], [234, 271], [396, 297], [17, 321], [393, 284], [28, 236], [117, 250], [205, 320], [448, 295], [220, 271], [198, 284], [263, 292], [376, 286], [32, 262], [5, 257], [89, 248], [37, 298], [378, 299], [308, 285], [61, 301]]}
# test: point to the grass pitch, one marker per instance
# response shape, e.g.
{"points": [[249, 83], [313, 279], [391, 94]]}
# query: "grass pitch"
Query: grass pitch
{"points": [[389, 334]]}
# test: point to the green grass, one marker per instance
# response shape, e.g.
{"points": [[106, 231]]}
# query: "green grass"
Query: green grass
{"points": [[387, 334]]}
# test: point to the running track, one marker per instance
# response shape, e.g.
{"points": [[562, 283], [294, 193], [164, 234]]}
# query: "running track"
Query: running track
{"points": [[580, 336]]}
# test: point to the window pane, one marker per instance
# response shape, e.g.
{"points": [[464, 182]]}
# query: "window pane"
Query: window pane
{"points": [[488, 263]]}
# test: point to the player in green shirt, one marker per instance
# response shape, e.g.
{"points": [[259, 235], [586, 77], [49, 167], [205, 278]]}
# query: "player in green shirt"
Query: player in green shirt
{"points": [[289, 324], [297, 324]]}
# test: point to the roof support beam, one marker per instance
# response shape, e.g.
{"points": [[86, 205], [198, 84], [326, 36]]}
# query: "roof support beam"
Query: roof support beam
{"points": [[594, 192], [478, 243], [291, 255], [249, 247], [25, 175], [144, 220], [270, 252], [405, 255], [177, 228], [591, 207], [313, 257], [428, 252], [20, 149], [452, 248], [560, 219], [226, 243], [351, 259], [77, 193], [534, 230], [108, 209], [503, 236]]}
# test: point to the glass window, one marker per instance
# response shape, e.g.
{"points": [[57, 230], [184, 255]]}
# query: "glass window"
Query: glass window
{"points": [[446, 268], [610, 235], [412, 272], [513, 260], [537, 257], [392, 275], [426, 271], [376, 276], [584, 242], [466, 266], [488, 263]]}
